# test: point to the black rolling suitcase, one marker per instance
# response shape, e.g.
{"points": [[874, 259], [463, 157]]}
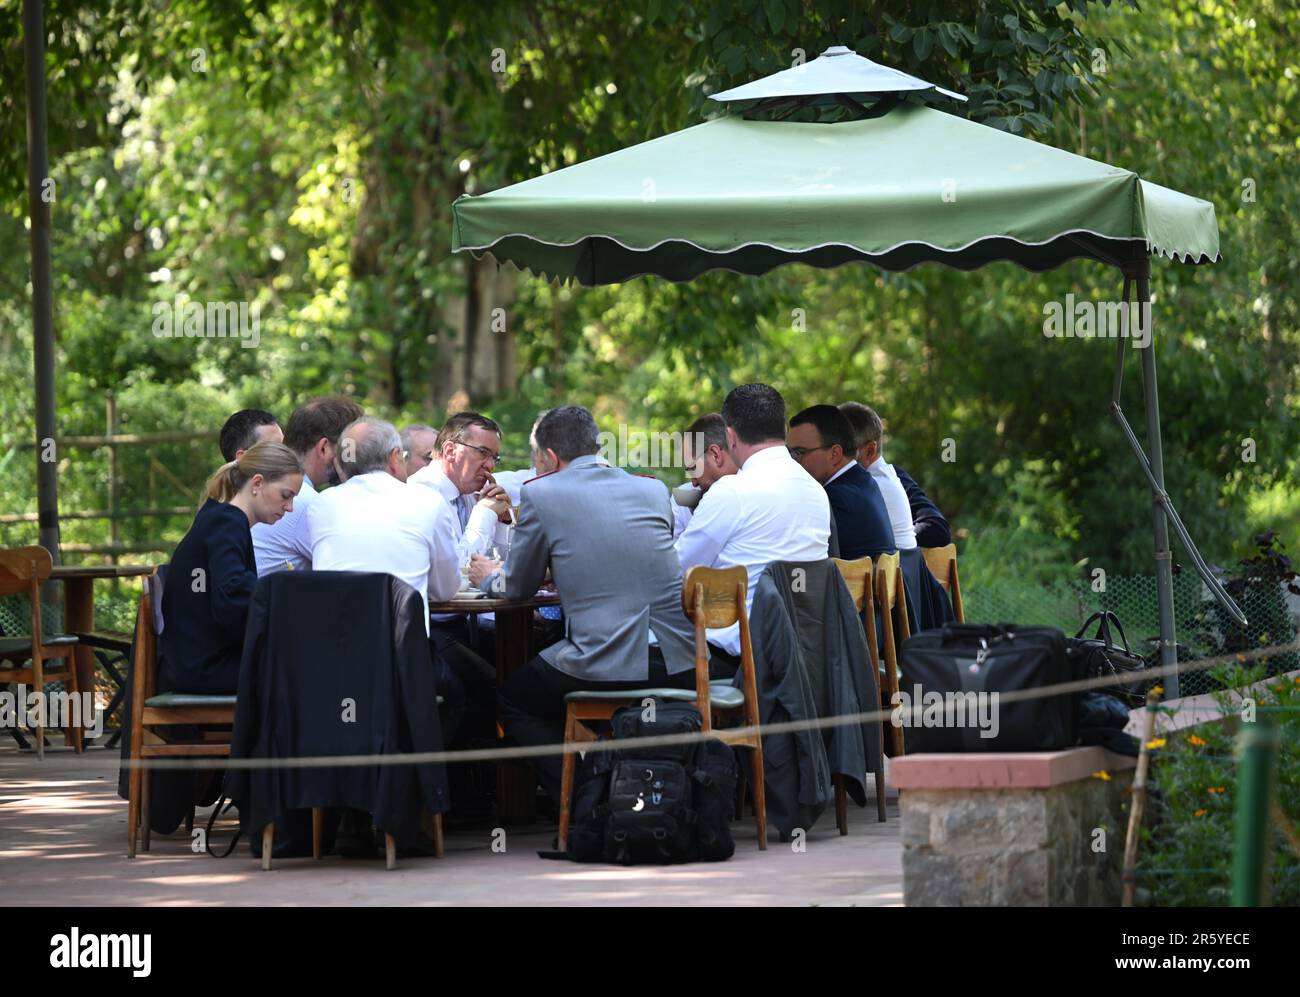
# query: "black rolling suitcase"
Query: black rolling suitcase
{"points": [[957, 675]]}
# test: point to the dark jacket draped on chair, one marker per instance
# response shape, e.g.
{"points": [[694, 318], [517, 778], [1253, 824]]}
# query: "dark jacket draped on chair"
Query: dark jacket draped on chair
{"points": [[811, 661], [337, 663]]}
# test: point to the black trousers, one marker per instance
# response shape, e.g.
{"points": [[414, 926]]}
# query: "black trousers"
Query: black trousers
{"points": [[466, 683], [532, 706]]}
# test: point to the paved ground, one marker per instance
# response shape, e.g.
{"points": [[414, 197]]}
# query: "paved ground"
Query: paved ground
{"points": [[63, 843]]}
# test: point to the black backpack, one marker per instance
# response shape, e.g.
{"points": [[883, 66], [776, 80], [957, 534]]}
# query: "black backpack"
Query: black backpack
{"points": [[660, 805]]}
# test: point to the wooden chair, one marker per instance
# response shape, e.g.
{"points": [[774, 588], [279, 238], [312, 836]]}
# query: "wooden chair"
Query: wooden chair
{"points": [[942, 562], [891, 595], [22, 571], [857, 577], [152, 714], [711, 597]]}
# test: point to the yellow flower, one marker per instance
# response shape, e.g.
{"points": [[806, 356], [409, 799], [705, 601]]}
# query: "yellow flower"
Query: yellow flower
{"points": [[1197, 741], [1200, 813], [1155, 742], [1103, 775], [1215, 790], [1159, 690]]}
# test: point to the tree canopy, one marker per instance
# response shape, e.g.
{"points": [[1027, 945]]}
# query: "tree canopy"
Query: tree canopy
{"points": [[303, 157]]}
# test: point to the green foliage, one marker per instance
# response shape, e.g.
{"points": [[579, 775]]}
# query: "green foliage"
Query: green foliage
{"points": [[303, 157]]}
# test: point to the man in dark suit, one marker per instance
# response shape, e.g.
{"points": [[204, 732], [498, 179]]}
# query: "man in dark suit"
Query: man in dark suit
{"points": [[607, 537], [821, 440]]}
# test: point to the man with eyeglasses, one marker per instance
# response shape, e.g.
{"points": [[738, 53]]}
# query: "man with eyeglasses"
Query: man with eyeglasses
{"points": [[821, 441], [465, 451]]}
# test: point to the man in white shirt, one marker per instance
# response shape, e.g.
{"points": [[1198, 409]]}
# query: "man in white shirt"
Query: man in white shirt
{"points": [[375, 521], [312, 433], [928, 605], [771, 509], [867, 432], [465, 451], [705, 454]]}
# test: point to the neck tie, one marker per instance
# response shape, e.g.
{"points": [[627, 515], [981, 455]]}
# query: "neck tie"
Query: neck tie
{"points": [[462, 510]]}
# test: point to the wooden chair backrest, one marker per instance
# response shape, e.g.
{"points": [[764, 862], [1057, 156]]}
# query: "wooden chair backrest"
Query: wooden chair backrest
{"points": [[857, 576], [720, 591], [144, 675], [940, 561], [887, 580], [23, 568]]}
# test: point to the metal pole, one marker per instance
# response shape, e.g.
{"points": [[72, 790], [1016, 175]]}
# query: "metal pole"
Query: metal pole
{"points": [[1250, 846], [1155, 457], [38, 190]]}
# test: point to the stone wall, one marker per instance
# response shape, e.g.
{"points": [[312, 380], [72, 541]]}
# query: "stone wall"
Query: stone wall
{"points": [[1015, 847]]}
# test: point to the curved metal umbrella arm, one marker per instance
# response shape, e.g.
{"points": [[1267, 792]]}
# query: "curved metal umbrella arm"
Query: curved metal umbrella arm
{"points": [[1162, 496]]}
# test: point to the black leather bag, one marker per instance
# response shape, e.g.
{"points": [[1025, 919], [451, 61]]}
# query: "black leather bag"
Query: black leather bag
{"points": [[1099, 656], [957, 674]]}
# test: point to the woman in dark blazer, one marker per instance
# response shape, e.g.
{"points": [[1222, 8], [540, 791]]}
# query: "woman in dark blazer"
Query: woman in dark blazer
{"points": [[205, 605], [211, 576]]}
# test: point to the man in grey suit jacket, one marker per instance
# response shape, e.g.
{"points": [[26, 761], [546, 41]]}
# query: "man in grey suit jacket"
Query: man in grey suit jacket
{"points": [[608, 538]]}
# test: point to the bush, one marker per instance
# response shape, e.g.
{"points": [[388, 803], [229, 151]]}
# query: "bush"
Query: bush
{"points": [[1187, 846]]}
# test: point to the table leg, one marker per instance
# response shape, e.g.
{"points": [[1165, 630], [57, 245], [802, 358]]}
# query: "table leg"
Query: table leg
{"points": [[79, 617], [516, 788]]}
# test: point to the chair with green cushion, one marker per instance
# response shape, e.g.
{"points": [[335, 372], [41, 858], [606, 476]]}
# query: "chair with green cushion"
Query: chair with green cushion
{"points": [[27, 638], [711, 597], [156, 716]]}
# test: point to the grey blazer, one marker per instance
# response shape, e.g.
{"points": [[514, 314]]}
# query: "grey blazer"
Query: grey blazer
{"points": [[608, 538]]}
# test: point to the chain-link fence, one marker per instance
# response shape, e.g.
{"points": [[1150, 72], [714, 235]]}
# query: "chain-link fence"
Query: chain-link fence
{"points": [[1203, 628]]}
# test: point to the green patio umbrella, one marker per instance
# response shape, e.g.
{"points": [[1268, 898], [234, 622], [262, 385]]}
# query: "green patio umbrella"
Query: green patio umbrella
{"points": [[898, 184]]}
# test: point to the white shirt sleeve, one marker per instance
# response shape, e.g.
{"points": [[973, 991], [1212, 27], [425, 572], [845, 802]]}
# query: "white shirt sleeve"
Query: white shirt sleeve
{"points": [[480, 531], [711, 524]]}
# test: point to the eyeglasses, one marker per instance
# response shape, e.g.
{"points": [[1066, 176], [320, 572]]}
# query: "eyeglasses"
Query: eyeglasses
{"points": [[799, 453], [492, 458]]}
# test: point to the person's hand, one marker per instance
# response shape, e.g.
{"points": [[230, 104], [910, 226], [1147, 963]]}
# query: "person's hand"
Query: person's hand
{"points": [[496, 498], [480, 567]]}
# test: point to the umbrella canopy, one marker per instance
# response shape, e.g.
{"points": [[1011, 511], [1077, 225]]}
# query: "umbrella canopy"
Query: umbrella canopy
{"points": [[910, 186]]}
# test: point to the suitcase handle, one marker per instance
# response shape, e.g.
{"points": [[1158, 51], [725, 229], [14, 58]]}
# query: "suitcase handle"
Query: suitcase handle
{"points": [[1103, 629]]}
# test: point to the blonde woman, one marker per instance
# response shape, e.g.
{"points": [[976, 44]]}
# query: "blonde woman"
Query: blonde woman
{"points": [[211, 576]]}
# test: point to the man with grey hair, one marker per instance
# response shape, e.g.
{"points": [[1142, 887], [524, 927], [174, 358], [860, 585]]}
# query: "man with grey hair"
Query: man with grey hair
{"points": [[418, 441], [374, 522], [916, 521], [607, 537]]}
